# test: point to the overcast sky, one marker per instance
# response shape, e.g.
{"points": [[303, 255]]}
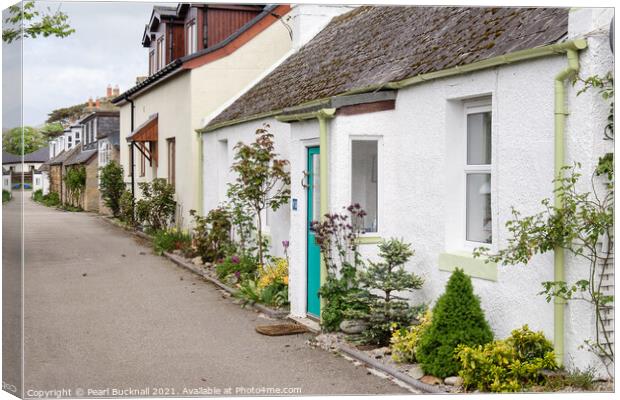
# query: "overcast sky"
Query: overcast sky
{"points": [[105, 49]]}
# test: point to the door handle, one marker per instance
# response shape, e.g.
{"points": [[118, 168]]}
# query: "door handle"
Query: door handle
{"points": [[303, 179]]}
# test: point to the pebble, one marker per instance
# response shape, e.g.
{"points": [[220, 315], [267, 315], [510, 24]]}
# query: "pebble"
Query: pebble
{"points": [[453, 381], [431, 380], [415, 372]]}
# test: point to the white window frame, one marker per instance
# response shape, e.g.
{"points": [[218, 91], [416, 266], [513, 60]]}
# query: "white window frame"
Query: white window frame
{"points": [[380, 215], [475, 107], [191, 36], [160, 53]]}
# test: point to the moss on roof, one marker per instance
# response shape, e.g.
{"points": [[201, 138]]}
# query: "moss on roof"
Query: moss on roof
{"points": [[374, 45]]}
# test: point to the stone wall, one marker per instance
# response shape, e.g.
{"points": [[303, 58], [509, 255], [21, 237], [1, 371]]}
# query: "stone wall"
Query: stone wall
{"points": [[90, 200]]}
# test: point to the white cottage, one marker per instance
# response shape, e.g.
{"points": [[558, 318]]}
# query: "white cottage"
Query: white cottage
{"points": [[437, 121]]}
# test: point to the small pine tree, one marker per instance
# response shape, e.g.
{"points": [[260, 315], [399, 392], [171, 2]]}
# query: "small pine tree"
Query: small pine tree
{"points": [[389, 311], [457, 319]]}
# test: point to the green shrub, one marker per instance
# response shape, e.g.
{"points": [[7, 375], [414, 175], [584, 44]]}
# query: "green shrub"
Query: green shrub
{"points": [[275, 294], [37, 195], [112, 186], [52, 199], [507, 365], [127, 212], [382, 280], [6, 195], [404, 341], [156, 207], [168, 240], [457, 319], [239, 265], [212, 234]]}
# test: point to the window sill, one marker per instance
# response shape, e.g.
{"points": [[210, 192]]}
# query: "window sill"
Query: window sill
{"points": [[368, 240], [474, 267]]}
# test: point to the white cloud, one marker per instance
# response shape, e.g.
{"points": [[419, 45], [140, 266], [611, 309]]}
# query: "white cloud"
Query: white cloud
{"points": [[105, 49]]}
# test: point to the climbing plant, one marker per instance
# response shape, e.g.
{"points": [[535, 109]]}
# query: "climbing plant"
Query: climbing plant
{"points": [[583, 226], [75, 182], [112, 186]]}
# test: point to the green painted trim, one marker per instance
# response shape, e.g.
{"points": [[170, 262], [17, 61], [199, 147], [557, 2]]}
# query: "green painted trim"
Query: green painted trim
{"points": [[368, 240], [475, 267], [323, 115], [522, 55], [238, 121], [560, 111]]}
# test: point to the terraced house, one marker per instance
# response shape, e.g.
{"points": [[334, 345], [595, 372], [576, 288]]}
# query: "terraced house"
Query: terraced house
{"points": [[201, 56], [436, 121]]}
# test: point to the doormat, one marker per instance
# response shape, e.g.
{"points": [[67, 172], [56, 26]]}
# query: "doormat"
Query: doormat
{"points": [[281, 329]]}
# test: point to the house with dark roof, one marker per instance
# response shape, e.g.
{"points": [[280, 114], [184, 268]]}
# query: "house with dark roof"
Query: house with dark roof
{"points": [[436, 120], [25, 168], [200, 57]]}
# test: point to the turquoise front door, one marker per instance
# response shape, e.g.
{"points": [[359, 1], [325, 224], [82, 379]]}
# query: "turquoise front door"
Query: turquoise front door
{"points": [[313, 250]]}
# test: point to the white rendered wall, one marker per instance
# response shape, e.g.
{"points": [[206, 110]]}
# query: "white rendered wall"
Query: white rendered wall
{"points": [[416, 187], [217, 175]]}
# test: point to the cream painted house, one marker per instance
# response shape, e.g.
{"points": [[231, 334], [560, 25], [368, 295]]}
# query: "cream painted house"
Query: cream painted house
{"points": [[201, 56], [436, 145]]}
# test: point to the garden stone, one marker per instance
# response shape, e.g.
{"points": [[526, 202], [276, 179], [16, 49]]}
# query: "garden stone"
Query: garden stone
{"points": [[176, 252], [381, 352], [431, 380], [416, 372], [353, 326], [197, 260], [453, 381]]}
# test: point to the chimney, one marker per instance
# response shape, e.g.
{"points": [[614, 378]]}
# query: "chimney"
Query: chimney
{"points": [[307, 20], [116, 91], [97, 103], [108, 91], [90, 102]]}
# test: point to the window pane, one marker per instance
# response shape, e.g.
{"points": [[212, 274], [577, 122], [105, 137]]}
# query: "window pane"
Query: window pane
{"points": [[479, 138], [479, 227], [364, 180], [316, 187]]}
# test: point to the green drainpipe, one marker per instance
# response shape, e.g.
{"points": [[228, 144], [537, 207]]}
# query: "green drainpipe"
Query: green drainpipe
{"points": [[322, 115], [561, 112]]}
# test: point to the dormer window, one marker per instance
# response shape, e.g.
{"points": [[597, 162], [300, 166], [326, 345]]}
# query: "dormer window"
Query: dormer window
{"points": [[191, 38]]}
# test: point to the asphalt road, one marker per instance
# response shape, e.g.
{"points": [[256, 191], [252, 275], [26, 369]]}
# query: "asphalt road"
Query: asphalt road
{"points": [[104, 313]]}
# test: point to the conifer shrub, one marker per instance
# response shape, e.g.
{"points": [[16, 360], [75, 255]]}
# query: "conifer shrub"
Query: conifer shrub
{"points": [[383, 280], [457, 319]]}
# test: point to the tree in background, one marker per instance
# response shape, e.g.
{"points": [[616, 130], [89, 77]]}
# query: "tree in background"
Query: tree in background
{"points": [[52, 130], [66, 114], [33, 140], [25, 21]]}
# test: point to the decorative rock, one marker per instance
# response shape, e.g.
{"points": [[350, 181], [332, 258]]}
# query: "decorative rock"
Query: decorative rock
{"points": [[353, 326], [197, 260], [381, 352], [431, 380], [415, 372], [453, 381], [177, 252]]}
